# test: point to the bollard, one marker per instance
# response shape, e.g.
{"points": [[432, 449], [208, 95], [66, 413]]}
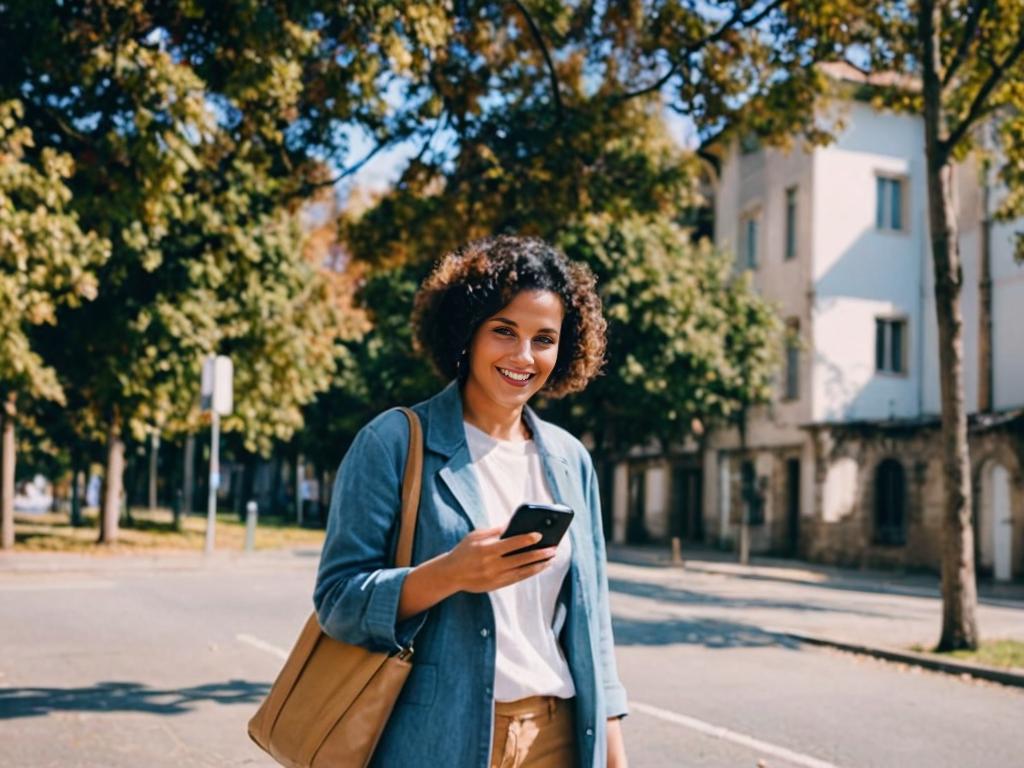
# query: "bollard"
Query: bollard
{"points": [[677, 551], [251, 511]]}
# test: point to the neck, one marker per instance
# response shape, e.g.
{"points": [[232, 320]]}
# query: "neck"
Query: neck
{"points": [[491, 418]]}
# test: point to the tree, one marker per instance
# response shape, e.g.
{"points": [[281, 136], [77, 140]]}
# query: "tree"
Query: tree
{"points": [[46, 261], [197, 132], [967, 59], [688, 338], [544, 136]]}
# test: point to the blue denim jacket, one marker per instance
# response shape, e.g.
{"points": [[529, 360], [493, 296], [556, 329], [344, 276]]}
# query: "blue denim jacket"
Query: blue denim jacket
{"points": [[446, 711]]}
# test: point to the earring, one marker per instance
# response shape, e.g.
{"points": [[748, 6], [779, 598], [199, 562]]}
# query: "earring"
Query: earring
{"points": [[461, 365]]}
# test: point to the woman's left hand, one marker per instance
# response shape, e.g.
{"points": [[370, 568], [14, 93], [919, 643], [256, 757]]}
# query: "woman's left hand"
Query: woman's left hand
{"points": [[616, 745]]}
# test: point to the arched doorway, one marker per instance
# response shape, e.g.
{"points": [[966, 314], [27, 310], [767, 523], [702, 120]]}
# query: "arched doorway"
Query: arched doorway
{"points": [[890, 504], [995, 528]]}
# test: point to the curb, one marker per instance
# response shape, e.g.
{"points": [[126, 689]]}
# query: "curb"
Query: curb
{"points": [[927, 661]]}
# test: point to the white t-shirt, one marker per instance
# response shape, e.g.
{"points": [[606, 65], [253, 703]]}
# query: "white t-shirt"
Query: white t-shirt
{"points": [[529, 660]]}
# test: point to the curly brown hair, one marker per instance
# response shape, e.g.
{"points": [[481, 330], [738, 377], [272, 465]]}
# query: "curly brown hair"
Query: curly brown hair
{"points": [[473, 282]]}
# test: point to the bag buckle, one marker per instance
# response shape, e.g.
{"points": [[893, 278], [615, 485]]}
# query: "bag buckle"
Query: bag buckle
{"points": [[405, 654]]}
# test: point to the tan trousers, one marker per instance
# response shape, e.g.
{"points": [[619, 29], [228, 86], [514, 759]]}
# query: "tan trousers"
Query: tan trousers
{"points": [[538, 732]]}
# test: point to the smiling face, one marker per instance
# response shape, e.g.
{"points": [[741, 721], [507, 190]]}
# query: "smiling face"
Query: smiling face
{"points": [[513, 352]]}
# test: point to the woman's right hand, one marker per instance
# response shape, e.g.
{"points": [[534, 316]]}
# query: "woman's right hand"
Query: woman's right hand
{"points": [[478, 562]]}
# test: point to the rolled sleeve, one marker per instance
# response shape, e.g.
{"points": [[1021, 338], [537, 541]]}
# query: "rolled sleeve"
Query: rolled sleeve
{"points": [[385, 590], [357, 589]]}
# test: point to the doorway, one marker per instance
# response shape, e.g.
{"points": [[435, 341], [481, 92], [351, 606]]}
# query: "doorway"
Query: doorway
{"points": [[995, 526], [687, 504], [793, 507]]}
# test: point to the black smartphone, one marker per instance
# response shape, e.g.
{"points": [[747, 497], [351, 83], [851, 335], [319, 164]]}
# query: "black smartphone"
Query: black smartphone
{"points": [[550, 520]]}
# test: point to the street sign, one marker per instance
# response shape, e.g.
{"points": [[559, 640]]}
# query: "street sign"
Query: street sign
{"points": [[216, 388], [217, 385]]}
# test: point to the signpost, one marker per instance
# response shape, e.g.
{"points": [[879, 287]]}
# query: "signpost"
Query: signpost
{"points": [[217, 398]]}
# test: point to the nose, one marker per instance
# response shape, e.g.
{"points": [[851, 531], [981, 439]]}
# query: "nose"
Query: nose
{"points": [[523, 354]]}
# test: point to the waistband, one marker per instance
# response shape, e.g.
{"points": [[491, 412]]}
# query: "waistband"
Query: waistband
{"points": [[530, 706]]}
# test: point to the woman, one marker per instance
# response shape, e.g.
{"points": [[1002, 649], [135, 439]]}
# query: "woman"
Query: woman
{"points": [[514, 662]]}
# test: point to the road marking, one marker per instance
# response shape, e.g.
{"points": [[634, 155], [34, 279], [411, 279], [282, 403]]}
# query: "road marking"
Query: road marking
{"points": [[714, 731], [719, 732], [47, 587], [255, 642]]}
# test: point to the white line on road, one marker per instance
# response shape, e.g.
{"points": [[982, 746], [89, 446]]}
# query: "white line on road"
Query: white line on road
{"points": [[56, 586], [255, 642], [714, 731], [719, 732]]}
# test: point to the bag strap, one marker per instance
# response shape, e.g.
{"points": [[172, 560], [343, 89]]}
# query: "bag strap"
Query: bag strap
{"points": [[411, 484]]}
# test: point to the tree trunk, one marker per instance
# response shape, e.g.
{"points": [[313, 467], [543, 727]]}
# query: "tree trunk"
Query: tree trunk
{"points": [[8, 454], [76, 493], [959, 593], [188, 475], [154, 457], [113, 483]]}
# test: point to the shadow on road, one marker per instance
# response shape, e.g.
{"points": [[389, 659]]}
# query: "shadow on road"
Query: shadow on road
{"points": [[125, 697], [690, 597], [708, 633]]}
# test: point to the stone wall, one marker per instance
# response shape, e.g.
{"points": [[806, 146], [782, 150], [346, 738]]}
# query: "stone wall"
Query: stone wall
{"points": [[843, 530]]}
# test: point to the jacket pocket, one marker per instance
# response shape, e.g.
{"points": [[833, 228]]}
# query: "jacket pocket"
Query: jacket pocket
{"points": [[421, 687]]}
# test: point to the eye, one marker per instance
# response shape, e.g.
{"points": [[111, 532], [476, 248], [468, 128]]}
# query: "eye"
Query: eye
{"points": [[544, 340], [504, 331]]}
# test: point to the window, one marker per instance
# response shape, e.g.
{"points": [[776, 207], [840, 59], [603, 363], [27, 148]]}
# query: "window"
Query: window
{"points": [[791, 223], [792, 383], [749, 236], [889, 203], [890, 503], [890, 345]]}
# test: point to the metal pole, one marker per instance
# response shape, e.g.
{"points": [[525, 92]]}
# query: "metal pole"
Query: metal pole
{"points": [[154, 458], [299, 476], [251, 510], [211, 499]]}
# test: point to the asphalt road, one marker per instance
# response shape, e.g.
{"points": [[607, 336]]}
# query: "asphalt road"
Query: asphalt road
{"points": [[135, 664]]}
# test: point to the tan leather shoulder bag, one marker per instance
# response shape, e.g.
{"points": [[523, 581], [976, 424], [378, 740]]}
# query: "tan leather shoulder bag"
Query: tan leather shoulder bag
{"points": [[331, 701]]}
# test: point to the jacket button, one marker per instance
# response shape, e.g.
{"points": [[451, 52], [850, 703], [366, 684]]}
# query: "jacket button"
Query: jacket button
{"points": [[590, 731], [484, 632]]}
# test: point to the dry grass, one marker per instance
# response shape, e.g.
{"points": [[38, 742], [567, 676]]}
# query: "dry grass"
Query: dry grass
{"points": [[152, 531], [1006, 653]]}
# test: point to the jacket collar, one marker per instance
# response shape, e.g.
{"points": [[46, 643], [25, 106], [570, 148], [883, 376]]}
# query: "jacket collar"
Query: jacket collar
{"points": [[445, 433]]}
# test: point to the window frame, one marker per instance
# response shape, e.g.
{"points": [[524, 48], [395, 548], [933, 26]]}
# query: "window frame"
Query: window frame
{"points": [[791, 370], [887, 180], [886, 323], [752, 216], [790, 208]]}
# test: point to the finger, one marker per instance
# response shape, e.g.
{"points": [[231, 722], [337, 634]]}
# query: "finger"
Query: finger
{"points": [[525, 572], [525, 559], [517, 542], [484, 533]]}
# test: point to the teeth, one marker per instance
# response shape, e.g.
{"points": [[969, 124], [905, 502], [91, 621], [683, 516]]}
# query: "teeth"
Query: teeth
{"points": [[515, 376]]}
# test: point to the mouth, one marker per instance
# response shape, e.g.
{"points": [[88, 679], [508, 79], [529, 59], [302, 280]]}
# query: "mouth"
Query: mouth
{"points": [[515, 378]]}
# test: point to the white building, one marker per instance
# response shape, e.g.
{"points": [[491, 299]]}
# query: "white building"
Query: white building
{"points": [[845, 466]]}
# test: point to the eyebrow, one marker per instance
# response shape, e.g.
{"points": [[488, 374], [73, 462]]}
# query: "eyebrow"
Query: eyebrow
{"points": [[507, 321]]}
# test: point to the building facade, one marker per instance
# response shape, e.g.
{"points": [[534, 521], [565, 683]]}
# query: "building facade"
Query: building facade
{"points": [[845, 465]]}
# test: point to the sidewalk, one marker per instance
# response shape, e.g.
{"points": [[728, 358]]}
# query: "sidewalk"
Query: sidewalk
{"points": [[914, 617]]}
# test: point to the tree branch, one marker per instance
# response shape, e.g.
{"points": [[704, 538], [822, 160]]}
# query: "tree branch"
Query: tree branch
{"points": [[552, 74], [978, 105], [309, 187], [978, 9], [691, 48]]}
